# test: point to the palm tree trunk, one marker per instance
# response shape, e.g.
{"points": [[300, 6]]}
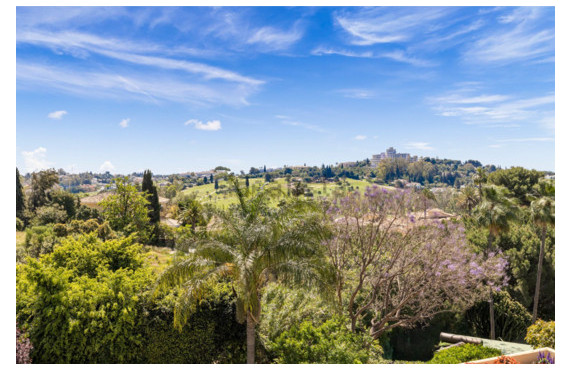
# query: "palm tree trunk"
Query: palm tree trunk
{"points": [[250, 338], [538, 276]]}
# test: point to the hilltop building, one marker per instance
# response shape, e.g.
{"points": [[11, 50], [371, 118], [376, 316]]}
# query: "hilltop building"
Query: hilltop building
{"points": [[390, 153]]}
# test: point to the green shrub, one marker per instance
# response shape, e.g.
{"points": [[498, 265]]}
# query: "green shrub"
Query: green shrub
{"points": [[329, 343], [80, 304], [511, 319], [39, 240], [53, 214], [89, 226], [211, 335], [19, 224], [541, 334], [464, 353], [105, 232], [61, 230]]}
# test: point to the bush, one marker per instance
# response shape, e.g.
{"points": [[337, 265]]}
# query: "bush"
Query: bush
{"points": [[19, 224], [86, 213], [211, 335], [50, 215], [39, 240], [511, 319], [464, 353], [80, 304], [61, 230], [541, 334], [329, 343]]}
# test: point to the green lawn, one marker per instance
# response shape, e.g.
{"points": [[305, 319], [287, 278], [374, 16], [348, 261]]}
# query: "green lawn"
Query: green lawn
{"points": [[206, 193]]}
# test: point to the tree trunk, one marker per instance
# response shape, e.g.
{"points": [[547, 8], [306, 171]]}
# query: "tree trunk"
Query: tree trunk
{"points": [[491, 298], [250, 338], [492, 314], [538, 276]]}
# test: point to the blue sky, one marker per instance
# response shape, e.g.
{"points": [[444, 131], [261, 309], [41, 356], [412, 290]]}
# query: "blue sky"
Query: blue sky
{"points": [[187, 89]]}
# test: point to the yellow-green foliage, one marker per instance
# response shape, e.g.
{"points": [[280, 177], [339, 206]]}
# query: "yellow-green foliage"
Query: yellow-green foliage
{"points": [[80, 304], [541, 334], [464, 353]]}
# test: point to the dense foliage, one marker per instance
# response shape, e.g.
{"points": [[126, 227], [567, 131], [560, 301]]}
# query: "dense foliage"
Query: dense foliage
{"points": [[464, 353], [80, 303], [541, 334], [328, 343], [23, 347]]}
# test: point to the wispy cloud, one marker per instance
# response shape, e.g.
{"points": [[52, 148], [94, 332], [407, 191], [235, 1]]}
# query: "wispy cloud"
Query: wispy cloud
{"points": [[57, 114], [285, 120], [396, 55], [526, 139], [124, 122], [356, 93], [499, 110], [131, 86], [418, 146], [518, 38], [209, 126], [360, 137], [371, 26], [106, 166], [274, 39], [36, 160]]}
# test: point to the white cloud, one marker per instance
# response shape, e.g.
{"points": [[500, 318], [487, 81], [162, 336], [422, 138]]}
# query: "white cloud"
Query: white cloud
{"points": [[274, 39], [418, 146], [360, 137], [356, 93], [525, 140], [57, 114], [518, 39], [209, 126], [36, 160], [106, 166], [134, 86], [494, 110], [125, 122], [396, 55], [290, 122]]}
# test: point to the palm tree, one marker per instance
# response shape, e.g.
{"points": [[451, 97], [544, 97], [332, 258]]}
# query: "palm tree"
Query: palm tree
{"points": [[495, 212], [468, 198], [252, 244], [480, 178], [542, 214]]}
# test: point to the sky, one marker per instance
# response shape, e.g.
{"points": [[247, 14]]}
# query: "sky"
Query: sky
{"points": [[124, 89]]}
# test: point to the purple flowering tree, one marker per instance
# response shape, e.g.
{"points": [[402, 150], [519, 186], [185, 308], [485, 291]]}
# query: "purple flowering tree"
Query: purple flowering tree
{"points": [[23, 348], [401, 270]]}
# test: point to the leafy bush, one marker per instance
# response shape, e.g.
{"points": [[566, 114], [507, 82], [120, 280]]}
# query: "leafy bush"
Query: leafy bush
{"points": [[464, 353], [86, 213], [541, 334], [50, 215], [61, 230], [211, 335], [19, 224], [329, 343], [39, 240], [80, 304], [511, 319]]}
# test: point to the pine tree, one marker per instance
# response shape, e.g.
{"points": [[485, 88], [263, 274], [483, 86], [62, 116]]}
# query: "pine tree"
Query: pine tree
{"points": [[20, 204], [151, 195]]}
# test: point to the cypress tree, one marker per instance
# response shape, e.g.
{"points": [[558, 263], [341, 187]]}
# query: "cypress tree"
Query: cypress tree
{"points": [[150, 191], [20, 204], [216, 184], [212, 179], [205, 180], [264, 168], [247, 182]]}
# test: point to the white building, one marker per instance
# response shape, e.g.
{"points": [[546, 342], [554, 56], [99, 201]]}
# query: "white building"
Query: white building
{"points": [[390, 153]]}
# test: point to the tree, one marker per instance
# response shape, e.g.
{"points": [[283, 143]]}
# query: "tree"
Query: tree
{"points": [[211, 178], [397, 271], [495, 212], [247, 182], [267, 177], [20, 202], [126, 210], [221, 168], [426, 196], [519, 181], [264, 169], [150, 191], [480, 178], [42, 182], [216, 184], [251, 244], [205, 180], [542, 214], [467, 198]]}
